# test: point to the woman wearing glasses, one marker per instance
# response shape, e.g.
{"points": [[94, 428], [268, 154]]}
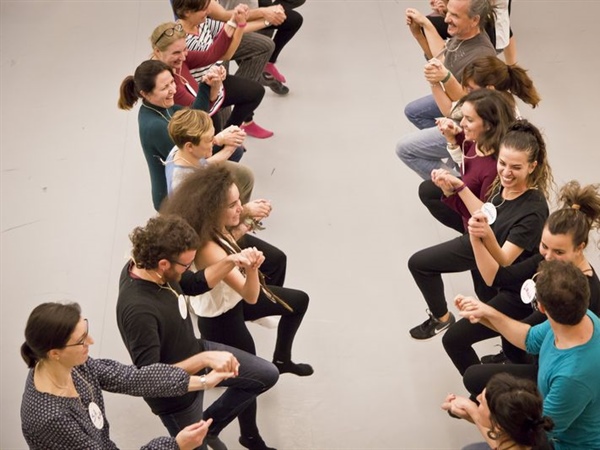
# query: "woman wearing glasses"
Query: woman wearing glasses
{"points": [[62, 405], [564, 237]]}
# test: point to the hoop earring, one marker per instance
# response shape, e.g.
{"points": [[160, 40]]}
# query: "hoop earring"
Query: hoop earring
{"points": [[493, 435]]}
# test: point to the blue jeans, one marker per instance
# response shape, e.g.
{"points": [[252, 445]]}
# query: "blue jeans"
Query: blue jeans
{"points": [[422, 112], [256, 376], [423, 151]]}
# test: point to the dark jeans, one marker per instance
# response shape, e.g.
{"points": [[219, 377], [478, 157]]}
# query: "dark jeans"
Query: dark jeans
{"points": [[275, 264], [286, 31], [255, 377], [427, 267], [431, 197]]}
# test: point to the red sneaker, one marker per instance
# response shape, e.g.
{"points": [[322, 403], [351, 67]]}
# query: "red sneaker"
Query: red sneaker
{"points": [[255, 130], [270, 68]]}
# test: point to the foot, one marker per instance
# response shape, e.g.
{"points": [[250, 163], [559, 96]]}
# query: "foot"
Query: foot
{"points": [[215, 443], [431, 327], [255, 130], [268, 80], [302, 370], [270, 68], [499, 358], [254, 443]]}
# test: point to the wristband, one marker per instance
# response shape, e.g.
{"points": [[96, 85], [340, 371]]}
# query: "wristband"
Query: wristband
{"points": [[457, 190], [231, 23], [242, 25], [447, 77]]}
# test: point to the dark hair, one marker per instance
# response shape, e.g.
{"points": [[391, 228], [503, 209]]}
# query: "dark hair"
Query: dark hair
{"points": [[201, 198], [563, 290], [182, 7], [50, 325], [580, 212], [163, 237], [143, 80], [492, 71], [516, 407], [483, 9], [497, 112]]}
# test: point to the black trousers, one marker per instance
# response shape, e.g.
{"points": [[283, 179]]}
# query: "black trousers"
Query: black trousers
{"points": [[244, 95], [476, 377], [287, 30], [275, 264], [431, 197]]}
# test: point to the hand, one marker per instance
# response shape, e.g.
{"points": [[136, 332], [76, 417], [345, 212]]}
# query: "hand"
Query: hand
{"points": [[478, 225], [472, 309], [443, 179], [439, 7], [449, 129], [231, 136], [213, 378], [275, 14], [259, 209], [253, 257], [240, 14], [193, 435], [221, 362], [413, 16], [435, 71], [459, 406]]}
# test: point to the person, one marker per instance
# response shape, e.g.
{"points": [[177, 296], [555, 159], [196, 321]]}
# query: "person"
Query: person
{"points": [[425, 150], [153, 82], [518, 199], [568, 347], [63, 406], [508, 414], [565, 237], [466, 20], [486, 117], [153, 320], [208, 200]]}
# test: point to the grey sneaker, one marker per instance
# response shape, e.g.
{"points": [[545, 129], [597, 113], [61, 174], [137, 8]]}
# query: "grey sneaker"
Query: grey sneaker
{"points": [[431, 327], [266, 79]]}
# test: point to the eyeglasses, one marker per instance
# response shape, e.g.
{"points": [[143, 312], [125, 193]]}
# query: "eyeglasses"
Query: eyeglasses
{"points": [[170, 32], [83, 340], [187, 266]]}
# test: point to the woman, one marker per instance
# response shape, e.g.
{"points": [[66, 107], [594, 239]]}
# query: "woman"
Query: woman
{"points": [[509, 415], [518, 198], [169, 46], [62, 405], [425, 150], [153, 82], [486, 117], [240, 296], [565, 237]]}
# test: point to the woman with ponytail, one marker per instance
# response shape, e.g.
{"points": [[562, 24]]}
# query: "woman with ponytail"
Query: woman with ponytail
{"points": [[509, 415], [63, 406]]}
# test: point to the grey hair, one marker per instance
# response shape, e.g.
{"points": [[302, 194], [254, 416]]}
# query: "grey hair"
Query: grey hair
{"points": [[483, 9]]}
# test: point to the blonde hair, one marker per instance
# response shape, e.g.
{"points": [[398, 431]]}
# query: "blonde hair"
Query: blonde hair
{"points": [[189, 125], [159, 38]]}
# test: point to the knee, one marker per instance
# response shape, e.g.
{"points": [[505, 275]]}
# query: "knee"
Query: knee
{"points": [[429, 192], [268, 374], [301, 302], [417, 262], [294, 20], [402, 150]]}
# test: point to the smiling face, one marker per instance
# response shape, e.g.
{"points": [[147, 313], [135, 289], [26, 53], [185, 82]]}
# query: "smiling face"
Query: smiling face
{"points": [[233, 209], [174, 55], [163, 94], [513, 168], [472, 125], [559, 247], [460, 25]]}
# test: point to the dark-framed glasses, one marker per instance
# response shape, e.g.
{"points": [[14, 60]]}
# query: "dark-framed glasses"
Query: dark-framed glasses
{"points": [[170, 32], [187, 266], [83, 339]]}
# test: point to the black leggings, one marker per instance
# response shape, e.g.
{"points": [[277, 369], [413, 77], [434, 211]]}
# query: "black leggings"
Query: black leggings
{"points": [[427, 267], [460, 337], [230, 328], [476, 377], [431, 196], [286, 31], [244, 95]]}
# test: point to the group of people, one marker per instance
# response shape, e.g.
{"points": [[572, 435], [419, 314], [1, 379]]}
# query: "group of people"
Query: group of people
{"points": [[486, 174], [194, 261]]}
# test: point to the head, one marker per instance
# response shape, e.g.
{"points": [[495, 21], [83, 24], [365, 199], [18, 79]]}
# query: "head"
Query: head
{"points": [[193, 132], [56, 332], [523, 159], [492, 73], [567, 230], [515, 410], [194, 11], [467, 18], [166, 245], [168, 44], [563, 292], [153, 81], [208, 200], [487, 115]]}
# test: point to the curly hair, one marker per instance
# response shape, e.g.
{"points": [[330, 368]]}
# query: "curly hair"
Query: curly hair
{"points": [[163, 237], [201, 199]]}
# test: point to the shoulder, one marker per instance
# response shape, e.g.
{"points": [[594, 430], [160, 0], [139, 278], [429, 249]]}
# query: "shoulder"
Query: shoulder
{"points": [[211, 252]]}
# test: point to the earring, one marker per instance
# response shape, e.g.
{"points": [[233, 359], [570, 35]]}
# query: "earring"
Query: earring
{"points": [[493, 435]]}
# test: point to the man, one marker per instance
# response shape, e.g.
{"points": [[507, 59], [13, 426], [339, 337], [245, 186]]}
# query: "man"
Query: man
{"points": [[155, 325], [568, 345], [466, 21]]}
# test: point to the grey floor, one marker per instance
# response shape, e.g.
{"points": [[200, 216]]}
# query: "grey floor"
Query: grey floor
{"points": [[74, 183]]}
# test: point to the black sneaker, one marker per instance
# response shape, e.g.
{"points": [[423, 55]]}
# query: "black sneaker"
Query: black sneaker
{"points": [[268, 80], [431, 327], [499, 358]]}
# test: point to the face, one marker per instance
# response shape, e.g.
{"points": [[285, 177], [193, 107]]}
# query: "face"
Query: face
{"points": [[484, 410], [76, 350], [513, 168], [559, 247], [471, 123], [471, 86], [231, 214], [178, 266], [163, 94], [459, 23], [174, 55], [205, 148]]}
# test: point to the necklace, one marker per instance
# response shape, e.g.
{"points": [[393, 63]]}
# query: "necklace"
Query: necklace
{"points": [[157, 111], [181, 300], [446, 49], [94, 410], [62, 388]]}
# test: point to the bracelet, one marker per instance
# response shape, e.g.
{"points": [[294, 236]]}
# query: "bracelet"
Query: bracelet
{"points": [[242, 25], [203, 381], [447, 77], [457, 190], [231, 23]]}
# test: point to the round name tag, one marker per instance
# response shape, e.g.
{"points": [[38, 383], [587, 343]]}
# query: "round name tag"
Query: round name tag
{"points": [[489, 210], [528, 292], [96, 415], [182, 306]]}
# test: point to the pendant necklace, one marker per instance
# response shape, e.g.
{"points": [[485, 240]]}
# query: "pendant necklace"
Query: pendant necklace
{"points": [[94, 410], [181, 301]]}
